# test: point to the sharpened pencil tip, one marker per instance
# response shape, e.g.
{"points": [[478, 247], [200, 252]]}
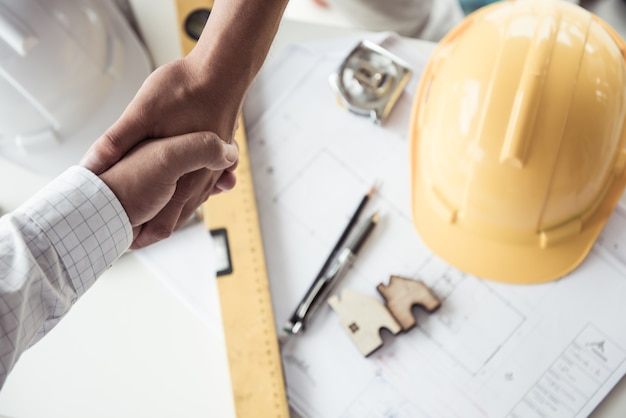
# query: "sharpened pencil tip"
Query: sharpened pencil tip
{"points": [[375, 217], [371, 191]]}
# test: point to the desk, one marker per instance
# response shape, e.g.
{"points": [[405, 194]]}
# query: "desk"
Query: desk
{"points": [[129, 348]]}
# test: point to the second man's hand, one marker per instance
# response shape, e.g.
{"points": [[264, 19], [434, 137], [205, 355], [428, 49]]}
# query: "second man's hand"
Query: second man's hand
{"points": [[200, 92], [157, 174]]}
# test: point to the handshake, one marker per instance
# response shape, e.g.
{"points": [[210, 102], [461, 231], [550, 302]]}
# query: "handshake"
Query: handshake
{"points": [[171, 148], [160, 182]]}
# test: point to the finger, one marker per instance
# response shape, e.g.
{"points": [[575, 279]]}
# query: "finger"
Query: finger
{"points": [[234, 166], [160, 227], [191, 190], [174, 215], [113, 145], [226, 182], [191, 152], [136, 231]]}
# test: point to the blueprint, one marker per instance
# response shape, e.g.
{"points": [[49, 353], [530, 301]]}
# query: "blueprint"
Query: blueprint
{"points": [[490, 350]]}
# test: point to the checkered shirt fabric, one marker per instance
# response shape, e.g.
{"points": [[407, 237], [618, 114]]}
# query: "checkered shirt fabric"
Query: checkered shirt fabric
{"points": [[52, 249]]}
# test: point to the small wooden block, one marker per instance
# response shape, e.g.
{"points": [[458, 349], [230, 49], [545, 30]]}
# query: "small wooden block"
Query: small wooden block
{"points": [[362, 317], [401, 294]]}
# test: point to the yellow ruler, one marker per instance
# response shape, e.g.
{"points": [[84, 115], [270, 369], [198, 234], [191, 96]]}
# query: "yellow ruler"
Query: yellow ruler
{"points": [[251, 340]]}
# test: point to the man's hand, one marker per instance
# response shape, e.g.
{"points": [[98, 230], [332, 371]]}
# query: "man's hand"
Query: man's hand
{"points": [[173, 100], [203, 91], [158, 173]]}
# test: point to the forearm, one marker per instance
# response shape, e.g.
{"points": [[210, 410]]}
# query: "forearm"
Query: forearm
{"points": [[239, 34], [233, 47]]}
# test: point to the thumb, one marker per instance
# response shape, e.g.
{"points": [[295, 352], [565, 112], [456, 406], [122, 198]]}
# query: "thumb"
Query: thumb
{"points": [[122, 136], [190, 152]]}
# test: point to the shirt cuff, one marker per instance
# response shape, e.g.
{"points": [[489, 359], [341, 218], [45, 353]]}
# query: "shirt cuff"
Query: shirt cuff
{"points": [[85, 223]]}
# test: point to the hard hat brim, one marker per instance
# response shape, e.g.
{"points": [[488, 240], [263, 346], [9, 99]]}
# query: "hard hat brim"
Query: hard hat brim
{"points": [[505, 262]]}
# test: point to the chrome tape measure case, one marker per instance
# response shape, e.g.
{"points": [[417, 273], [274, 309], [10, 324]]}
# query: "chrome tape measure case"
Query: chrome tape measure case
{"points": [[370, 80]]}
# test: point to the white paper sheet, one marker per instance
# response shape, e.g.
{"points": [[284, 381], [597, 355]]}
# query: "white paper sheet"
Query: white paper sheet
{"points": [[185, 262], [491, 350]]}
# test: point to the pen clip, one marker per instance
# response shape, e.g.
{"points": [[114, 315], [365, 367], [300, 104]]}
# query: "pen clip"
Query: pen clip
{"points": [[311, 296]]}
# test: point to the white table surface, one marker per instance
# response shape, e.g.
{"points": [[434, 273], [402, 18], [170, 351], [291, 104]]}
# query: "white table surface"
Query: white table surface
{"points": [[129, 348]]}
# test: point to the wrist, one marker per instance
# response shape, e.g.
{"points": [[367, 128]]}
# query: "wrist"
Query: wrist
{"points": [[236, 39]]}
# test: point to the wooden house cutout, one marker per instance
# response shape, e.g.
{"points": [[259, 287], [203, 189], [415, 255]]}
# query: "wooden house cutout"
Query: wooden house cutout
{"points": [[362, 317], [401, 294]]}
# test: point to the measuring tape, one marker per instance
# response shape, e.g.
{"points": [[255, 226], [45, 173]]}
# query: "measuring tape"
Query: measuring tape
{"points": [[249, 329]]}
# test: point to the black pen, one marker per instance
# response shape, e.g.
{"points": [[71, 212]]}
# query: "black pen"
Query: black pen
{"points": [[353, 220], [333, 253], [323, 284]]}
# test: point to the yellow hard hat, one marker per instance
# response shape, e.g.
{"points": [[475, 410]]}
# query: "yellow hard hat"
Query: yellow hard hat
{"points": [[517, 140]]}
